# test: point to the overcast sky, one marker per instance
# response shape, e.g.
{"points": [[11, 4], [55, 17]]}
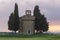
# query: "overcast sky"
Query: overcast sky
{"points": [[50, 8]]}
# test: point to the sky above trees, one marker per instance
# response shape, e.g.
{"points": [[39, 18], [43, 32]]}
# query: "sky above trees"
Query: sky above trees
{"points": [[50, 8]]}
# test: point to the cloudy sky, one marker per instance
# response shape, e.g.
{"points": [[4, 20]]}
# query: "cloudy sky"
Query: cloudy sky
{"points": [[50, 8]]}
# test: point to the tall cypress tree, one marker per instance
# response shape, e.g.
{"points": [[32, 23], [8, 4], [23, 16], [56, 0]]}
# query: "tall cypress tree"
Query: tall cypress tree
{"points": [[13, 23], [16, 18], [37, 15], [40, 20]]}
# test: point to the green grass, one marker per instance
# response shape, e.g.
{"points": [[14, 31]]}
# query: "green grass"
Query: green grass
{"points": [[30, 37]]}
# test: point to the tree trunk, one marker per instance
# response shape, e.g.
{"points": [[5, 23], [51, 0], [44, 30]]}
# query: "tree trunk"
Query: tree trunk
{"points": [[41, 31]]}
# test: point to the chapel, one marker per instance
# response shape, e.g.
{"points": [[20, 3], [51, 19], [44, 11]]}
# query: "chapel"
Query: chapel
{"points": [[27, 23]]}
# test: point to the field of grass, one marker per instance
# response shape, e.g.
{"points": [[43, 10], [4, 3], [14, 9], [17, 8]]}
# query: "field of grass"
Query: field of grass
{"points": [[30, 37]]}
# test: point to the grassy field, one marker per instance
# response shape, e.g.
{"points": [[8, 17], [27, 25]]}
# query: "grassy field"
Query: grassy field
{"points": [[30, 37]]}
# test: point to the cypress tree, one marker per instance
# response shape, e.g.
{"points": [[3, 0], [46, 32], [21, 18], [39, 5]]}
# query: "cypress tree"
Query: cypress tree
{"points": [[16, 18], [13, 23], [37, 15], [40, 20]]}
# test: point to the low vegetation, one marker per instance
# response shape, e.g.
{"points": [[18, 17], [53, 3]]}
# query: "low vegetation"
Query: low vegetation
{"points": [[30, 37]]}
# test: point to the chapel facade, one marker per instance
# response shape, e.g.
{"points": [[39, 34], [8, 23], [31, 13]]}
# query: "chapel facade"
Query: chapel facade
{"points": [[27, 23]]}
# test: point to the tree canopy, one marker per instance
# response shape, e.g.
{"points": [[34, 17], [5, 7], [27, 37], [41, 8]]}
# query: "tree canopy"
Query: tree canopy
{"points": [[41, 23], [13, 23]]}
